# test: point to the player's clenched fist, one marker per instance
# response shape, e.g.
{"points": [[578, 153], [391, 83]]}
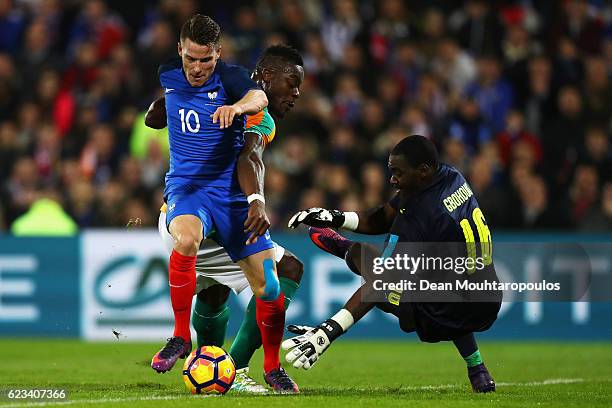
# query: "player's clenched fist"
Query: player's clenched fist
{"points": [[318, 217], [225, 115], [257, 222]]}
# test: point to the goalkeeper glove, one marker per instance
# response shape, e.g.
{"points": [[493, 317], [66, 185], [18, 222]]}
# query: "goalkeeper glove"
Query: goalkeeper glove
{"points": [[322, 218], [306, 348]]}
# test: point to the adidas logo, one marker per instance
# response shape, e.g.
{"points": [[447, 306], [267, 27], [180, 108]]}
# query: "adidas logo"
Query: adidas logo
{"points": [[212, 95]]}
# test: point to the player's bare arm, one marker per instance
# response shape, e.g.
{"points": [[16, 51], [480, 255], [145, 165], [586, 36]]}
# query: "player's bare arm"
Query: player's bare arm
{"points": [[252, 102], [156, 115], [250, 171]]}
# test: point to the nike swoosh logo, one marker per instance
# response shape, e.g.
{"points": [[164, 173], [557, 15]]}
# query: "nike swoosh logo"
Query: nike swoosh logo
{"points": [[168, 90], [315, 239]]}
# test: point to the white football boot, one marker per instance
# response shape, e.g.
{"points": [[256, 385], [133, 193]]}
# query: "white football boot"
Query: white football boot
{"points": [[244, 383]]}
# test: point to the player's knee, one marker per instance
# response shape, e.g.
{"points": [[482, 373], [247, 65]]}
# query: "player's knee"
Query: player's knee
{"points": [[214, 296], [290, 267], [269, 289], [353, 258], [187, 243]]}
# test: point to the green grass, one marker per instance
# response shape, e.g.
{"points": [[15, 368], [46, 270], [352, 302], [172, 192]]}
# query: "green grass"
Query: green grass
{"points": [[355, 374]]}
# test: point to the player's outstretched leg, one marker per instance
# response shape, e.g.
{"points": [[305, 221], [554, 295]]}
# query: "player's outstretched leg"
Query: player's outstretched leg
{"points": [[248, 338], [187, 233], [478, 374], [330, 241], [260, 269]]}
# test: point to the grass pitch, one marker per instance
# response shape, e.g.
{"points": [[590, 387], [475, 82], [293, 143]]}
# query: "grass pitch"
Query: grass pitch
{"points": [[352, 373]]}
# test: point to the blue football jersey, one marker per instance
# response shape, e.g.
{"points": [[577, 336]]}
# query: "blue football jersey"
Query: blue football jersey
{"points": [[199, 149]]}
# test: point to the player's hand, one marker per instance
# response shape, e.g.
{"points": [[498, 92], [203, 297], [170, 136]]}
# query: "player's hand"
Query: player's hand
{"points": [[257, 222], [306, 349], [225, 115], [317, 217], [298, 329]]}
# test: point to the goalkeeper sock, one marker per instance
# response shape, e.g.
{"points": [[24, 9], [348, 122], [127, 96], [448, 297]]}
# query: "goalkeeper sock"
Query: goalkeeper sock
{"points": [[182, 280], [210, 323], [248, 338], [468, 349], [271, 321]]}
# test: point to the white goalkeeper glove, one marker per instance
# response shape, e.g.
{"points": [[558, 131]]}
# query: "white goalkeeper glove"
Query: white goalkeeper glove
{"points": [[322, 218], [312, 342]]}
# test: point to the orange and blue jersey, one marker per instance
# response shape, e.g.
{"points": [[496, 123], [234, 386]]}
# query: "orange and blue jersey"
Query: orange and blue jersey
{"points": [[262, 124]]}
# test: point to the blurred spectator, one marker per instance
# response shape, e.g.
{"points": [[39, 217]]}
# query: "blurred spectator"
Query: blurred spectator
{"points": [[433, 31], [111, 200], [454, 65], [600, 219], [348, 99], [159, 46], [46, 153], [517, 49], [390, 26], [340, 30], [372, 121], [247, 36], [493, 93], [414, 120], [469, 126], [9, 87], [19, 190], [12, 22], [537, 212], [568, 65], [374, 183], [537, 97], [37, 54], [596, 150], [316, 61], [563, 135], [597, 91], [99, 26], [492, 200], [44, 218], [513, 133], [583, 193], [455, 154], [583, 29], [477, 27], [98, 161], [134, 210], [9, 148], [406, 69], [81, 203]]}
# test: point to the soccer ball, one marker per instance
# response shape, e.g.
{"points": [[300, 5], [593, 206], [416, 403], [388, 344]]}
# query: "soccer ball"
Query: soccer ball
{"points": [[209, 370]]}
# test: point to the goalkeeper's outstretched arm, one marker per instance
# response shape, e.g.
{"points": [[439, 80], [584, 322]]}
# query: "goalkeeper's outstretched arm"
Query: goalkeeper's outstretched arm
{"points": [[372, 222], [376, 220]]}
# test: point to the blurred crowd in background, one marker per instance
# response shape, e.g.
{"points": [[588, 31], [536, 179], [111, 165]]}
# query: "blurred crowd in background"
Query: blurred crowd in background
{"points": [[516, 94]]}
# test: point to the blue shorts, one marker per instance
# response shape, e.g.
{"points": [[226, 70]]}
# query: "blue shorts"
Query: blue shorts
{"points": [[223, 210]]}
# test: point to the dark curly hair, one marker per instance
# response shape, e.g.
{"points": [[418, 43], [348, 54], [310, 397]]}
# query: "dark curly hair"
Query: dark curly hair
{"points": [[417, 149], [202, 30], [279, 53]]}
